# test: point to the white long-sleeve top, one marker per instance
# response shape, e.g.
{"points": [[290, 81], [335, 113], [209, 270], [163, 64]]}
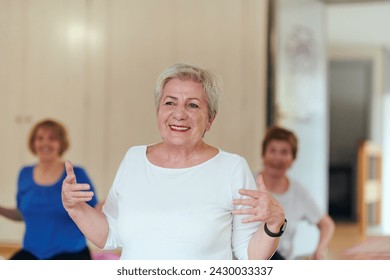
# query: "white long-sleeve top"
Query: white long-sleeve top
{"points": [[178, 213]]}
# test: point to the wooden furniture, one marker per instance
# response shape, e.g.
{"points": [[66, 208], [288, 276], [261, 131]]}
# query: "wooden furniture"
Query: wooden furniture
{"points": [[369, 185]]}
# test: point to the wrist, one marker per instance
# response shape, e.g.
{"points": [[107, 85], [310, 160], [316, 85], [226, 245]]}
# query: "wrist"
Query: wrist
{"points": [[273, 231]]}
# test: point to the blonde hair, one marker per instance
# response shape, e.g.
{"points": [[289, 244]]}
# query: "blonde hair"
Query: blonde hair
{"points": [[189, 72]]}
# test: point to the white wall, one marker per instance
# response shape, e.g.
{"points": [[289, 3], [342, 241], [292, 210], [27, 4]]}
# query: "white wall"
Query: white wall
{"points": [[361, 24], [301, 96], [385, 167], [362, 30]]}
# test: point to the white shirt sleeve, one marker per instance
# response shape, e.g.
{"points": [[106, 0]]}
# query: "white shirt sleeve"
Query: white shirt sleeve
{"points": [[242, 232], [110, 210]]}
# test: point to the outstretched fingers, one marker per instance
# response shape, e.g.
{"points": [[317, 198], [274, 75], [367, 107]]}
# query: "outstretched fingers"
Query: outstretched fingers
{"points": [[82, 195], [251, 193], [256, 206], [73, 193], [245, 202], [70, 176], [260, 183], [79, 192], [244, 211]]}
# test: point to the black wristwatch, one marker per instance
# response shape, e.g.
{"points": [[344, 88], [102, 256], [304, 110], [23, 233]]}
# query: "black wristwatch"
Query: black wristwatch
{"points": [[279, 234]]}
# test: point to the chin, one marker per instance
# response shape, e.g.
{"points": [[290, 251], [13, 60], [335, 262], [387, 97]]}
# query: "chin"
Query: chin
{"points": [[277, 173]]}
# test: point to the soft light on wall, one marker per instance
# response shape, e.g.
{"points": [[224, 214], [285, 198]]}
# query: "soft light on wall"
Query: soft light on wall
{"points": [[79, 35]]}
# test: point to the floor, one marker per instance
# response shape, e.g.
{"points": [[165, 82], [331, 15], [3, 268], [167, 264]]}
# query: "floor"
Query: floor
{"points": [[6, 250], [346, 236]]}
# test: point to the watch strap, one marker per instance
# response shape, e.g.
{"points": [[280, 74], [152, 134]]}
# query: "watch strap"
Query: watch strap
{"points": [[278, 234]]}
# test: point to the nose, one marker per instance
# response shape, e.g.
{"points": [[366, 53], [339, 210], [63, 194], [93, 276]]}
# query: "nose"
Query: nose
{"points": [[179, 113]]}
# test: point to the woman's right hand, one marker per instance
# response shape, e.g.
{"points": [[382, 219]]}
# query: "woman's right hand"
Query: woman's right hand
{"points": [[73, 194], [92, 222]]}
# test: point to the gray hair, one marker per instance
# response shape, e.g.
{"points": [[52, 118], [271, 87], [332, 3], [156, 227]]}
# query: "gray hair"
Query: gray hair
{"points": [[189, 72]]}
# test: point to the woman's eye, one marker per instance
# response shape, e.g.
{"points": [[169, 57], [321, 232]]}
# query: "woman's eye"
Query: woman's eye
{"points": [[169, 103], [193, 105]]}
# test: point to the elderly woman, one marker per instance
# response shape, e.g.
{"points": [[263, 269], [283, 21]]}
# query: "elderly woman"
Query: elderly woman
{"points": [[279, 150], [49, 231], [181, 198]]}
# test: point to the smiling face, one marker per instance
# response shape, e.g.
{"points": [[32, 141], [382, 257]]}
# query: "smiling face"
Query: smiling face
{"points": [[47, 146], [183, 113], [277, 158]]}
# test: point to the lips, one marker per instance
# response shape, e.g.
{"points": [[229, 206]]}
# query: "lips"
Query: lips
{"points": [[179, 128], [277, 165], [45, 150]]}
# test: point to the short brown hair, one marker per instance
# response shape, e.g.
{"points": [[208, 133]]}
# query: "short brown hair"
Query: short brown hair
{"points": [[56, 127], [282, 134]]}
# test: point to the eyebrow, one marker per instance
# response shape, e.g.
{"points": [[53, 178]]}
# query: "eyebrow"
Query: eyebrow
{"points": [[191, 98]]}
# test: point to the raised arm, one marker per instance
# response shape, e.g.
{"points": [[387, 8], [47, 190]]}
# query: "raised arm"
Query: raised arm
{"points": [[91, 221], [11, 213], [262, 208]]}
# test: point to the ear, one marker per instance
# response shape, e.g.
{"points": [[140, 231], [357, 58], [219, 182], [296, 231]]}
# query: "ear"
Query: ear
{"points": [[210, 122], [291, 163]]}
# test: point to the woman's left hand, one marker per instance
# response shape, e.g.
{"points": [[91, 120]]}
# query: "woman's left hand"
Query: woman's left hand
{"points": [[262, 207]]}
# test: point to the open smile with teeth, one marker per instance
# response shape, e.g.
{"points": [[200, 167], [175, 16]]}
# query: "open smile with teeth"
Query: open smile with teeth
{"points": [[179, 128]]}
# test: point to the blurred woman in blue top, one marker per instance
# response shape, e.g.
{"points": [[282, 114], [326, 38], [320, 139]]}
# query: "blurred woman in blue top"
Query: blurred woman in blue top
{"points": [[49, 231]]}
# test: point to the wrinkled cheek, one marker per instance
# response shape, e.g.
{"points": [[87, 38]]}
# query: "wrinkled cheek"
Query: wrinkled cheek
{"points": [[162, 128]]}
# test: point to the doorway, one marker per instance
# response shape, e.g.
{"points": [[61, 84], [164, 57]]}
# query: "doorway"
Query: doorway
{"points": [[350, 84]]}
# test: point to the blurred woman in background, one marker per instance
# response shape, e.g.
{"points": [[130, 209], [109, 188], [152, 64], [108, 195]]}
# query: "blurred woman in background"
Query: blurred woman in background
{"points": [[279, 150], [49, 231]]}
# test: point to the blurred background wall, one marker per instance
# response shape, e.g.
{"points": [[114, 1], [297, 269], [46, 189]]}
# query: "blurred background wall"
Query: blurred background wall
{"points": [[301, 101]]}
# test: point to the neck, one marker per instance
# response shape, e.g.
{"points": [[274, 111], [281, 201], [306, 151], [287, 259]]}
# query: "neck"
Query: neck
{"points": [[49, 164], [175, 152], [275, 184], [175, 156], [47, 173]]}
